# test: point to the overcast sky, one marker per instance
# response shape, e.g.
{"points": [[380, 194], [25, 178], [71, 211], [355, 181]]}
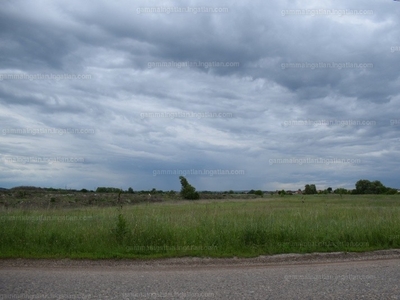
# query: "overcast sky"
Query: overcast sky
{"points": [[233, 94]]}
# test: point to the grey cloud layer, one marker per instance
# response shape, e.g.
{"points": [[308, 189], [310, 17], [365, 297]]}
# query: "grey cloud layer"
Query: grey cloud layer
{"points": [[287, 68]]}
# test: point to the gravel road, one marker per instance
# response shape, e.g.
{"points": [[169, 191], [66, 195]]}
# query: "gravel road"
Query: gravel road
{"points": [[372, 275]]}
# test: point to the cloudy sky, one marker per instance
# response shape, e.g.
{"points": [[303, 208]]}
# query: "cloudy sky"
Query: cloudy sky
{"points": [[233, 94]]}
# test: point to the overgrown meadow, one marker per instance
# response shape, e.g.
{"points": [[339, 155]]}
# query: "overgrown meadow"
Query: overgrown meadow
{"points": [[204, 228]]}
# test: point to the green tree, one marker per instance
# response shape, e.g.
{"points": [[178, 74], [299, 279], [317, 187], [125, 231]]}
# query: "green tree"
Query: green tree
{"points": [[187, 190], [259, 193], [310, 189], [391, 191], [364, 186], [282, 193], [378, 188], [329, 190]]}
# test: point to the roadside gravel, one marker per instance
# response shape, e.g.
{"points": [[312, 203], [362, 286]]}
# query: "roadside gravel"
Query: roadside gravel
{"points": [[281, 259]]}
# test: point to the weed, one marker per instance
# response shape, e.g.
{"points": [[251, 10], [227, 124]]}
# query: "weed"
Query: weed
{"points": [[121, 229]]}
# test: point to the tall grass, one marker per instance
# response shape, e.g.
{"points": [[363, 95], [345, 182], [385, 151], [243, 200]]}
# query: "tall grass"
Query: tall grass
{"points": [[216, 229]]}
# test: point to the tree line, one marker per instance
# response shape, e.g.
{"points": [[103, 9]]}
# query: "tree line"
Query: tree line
{"points": [[189, 192], [363, 186]]}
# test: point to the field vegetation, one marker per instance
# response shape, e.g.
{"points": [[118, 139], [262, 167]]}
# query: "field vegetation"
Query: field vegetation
{"points": [[205, 228]]}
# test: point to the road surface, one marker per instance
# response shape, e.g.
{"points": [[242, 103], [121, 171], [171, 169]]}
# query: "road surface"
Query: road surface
{"points": [[318, 276]]}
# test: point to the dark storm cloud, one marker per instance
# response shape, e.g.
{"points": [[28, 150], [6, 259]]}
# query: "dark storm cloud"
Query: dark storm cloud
{"points": [[290, 81]]}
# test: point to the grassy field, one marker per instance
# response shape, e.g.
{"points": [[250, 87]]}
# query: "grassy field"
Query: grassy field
{"points": [[205, 228]]}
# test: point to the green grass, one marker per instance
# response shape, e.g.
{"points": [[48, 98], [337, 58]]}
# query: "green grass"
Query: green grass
{"points": [[243, 228]]}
